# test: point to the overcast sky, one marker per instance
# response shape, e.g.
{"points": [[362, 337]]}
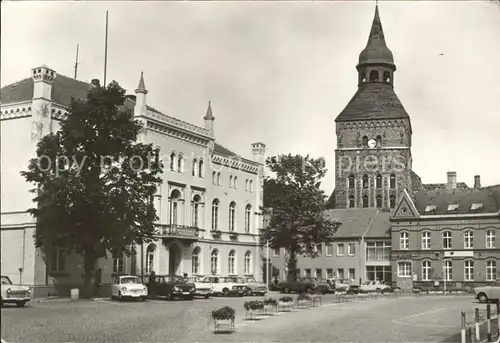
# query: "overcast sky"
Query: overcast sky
{"points": [[280, 72]]}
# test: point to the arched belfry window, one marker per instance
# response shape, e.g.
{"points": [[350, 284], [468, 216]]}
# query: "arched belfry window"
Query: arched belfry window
{"points": [[374, 76], [365, 181], [379, 141], [365, 141], [362, 77], [392, 181], [351, 181], [379, 181], [387, 77]]}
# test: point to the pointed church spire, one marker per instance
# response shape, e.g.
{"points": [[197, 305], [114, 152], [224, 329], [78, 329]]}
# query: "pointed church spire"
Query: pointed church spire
{"points": [[141, 88], [376, 50], [209, 119], [209, 114]]}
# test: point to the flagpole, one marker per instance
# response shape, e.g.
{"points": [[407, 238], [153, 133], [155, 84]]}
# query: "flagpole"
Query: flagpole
{"points": [[76, 62], [106, 50]]}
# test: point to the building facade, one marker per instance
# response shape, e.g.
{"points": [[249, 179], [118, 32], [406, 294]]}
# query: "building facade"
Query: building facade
{"points": [[208, 204], [446, 238]]}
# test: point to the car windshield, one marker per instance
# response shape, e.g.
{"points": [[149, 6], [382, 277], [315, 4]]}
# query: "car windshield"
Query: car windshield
{"points": [[130, 280], [193, 279], [250, 279], [237, 280], [6, 281], [174, 278]]}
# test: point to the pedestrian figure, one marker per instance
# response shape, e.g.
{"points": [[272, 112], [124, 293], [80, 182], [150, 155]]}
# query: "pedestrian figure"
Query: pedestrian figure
{"points": [[98, 282], [151, 283], [185, 276]]}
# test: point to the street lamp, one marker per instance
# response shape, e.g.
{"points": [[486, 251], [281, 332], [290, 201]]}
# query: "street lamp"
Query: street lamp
{"points": [[443, 271]]}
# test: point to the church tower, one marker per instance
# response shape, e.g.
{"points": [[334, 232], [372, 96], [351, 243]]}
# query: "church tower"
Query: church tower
{"points": [[373, 156]]}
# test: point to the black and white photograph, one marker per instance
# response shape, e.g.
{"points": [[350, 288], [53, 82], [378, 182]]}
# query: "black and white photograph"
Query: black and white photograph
{"points": [[250, 171]]}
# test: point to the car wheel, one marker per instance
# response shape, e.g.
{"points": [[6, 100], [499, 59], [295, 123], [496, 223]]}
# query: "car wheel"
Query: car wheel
{"points": [[482, 298], [21, 303], [225, 292], [378, 290], [207, 296]]}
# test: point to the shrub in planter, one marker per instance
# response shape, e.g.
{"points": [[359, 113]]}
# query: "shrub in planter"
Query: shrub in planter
{"points": [[303, 297], [286, 299], [253, 305], [224, 313], [270, 301]]}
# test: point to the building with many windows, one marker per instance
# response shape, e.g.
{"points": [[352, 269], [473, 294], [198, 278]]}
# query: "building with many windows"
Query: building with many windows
{"points": [[208, 204], [448, 234]]}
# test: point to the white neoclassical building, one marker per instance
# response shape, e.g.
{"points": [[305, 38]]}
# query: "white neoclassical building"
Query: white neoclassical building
{"points": [[208, 204]]}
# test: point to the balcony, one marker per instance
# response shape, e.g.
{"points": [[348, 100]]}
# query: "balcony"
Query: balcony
{"points": [[177, 231]]}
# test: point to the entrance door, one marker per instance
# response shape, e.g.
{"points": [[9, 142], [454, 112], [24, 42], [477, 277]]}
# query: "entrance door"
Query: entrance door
{"points": [[173, 259]]}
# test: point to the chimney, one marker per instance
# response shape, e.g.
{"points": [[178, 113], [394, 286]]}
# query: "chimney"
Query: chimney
{"points": [[452, 180], [43, 79], [95, 82], [477, 181], [259, 152]]}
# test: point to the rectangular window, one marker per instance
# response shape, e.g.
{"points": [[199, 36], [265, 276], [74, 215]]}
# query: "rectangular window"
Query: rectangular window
{"points": [[426, 240], [490, 239], [378, 251], [426, 270], [276, 252], [448, 270], [491, 270], [352, 273], [329, 273], [57, 261], [446, 240], [404, 241], [340, 249], [118, 263], [329, 249], [319, 273], [404, 269], [340, 273], [469, 270], [307, 272], [319, 249], [468, 239], [351, 249]]}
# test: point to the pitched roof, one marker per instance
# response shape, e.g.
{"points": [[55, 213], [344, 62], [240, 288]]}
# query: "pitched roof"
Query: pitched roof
{"points": [[442, 198], [380, 226], [354, 221], [63, 89], [416, 182], [373, 101], [436, 186]]}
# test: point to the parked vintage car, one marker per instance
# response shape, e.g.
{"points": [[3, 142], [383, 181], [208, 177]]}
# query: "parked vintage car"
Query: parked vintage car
{"points": [[128, 287], [254, 287], [488, 293], [202, 289], [226, 286], [300, 285], [374, 286], [171, 286], [14, 294], [325, 287]]}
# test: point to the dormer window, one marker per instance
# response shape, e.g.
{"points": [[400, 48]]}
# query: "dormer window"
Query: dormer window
{"points": [[476, 207], [453, 208], [430, 209]]}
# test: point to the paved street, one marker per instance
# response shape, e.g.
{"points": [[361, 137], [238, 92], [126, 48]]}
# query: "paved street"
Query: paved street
{"points": [[423, 319]]}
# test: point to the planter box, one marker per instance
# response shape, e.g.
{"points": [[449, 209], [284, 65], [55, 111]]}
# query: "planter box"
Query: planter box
{"points": [[224, 325], [304, 303], [288, 306], [268, 309]]}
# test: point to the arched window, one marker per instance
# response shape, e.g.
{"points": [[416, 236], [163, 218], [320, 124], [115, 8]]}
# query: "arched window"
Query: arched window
{"points": [[392, 201], [232, 214], [218, 178], [446, 238], [448, 270], [469, 239], [175, 196], [195, 167], [379, 181], [365, 141], [246, 185], [387, 77], [150, 257], [351, 181], [379, 201], [195, 261], [235, 182], [180, 164], [201, 172], [172, 161], [215, 214], [362, 77], [374, 76], [491, 270], [379, 141], [251, 186], [351, 201], [247, 265], [426, 270], [196, 210], [365, 200], [392, 181], [365, 181], [231, 181], [214, 262], [214, 178], [230, 263], [248, 211], [404, 241], [469, 270]]}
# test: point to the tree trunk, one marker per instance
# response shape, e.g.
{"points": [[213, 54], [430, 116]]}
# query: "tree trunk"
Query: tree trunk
{"points": [[88, 270], [292, 266]]}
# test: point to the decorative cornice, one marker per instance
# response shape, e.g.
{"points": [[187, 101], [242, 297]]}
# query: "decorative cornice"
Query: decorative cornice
{"points": [[176, 123], [372, 124], [234, 162], [15, 110], [178, 184], [203, 189], [176, 132]]}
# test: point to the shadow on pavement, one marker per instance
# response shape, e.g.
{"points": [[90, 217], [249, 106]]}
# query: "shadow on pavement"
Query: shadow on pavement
{"points": [[483, 330]]}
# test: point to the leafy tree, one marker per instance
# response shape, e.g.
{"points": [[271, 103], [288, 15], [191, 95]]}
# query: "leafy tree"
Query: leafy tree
{"points": [[94, 182], [294, 205]]}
